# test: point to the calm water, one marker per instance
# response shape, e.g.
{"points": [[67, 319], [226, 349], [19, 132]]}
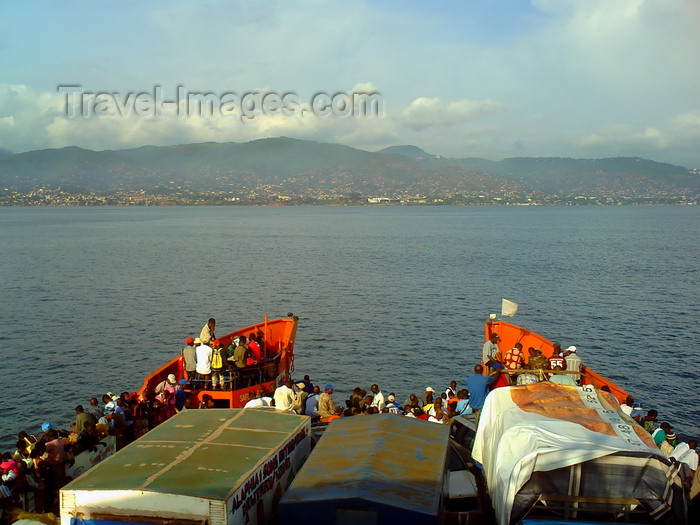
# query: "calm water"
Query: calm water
{"points": [[92, 299]]}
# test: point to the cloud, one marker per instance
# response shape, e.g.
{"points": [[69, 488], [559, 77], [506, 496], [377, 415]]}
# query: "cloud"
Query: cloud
{"points": [[625, 139], [690, 121], [426, 112], [31, 119]]}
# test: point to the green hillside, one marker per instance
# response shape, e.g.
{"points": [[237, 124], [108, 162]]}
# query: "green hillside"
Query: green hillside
{"points": [[285, 166]]}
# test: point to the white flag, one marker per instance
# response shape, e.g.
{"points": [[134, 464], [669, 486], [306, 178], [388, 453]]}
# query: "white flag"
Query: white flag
{"points": [[508, 308]]}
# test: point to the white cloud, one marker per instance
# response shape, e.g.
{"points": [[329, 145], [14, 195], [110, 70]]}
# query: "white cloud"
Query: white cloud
{"points": [[626, 139], [426, 112]]}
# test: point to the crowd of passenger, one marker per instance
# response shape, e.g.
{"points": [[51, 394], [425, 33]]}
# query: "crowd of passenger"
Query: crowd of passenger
{"points": [[38, 465], [565, 367], [305, 398], [212, 365]]}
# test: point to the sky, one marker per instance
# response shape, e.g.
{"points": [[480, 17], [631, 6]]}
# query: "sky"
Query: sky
{"points": [[469, 78]]}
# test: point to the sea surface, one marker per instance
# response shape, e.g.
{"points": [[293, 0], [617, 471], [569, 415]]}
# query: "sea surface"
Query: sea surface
{"points": [[93, 299]]}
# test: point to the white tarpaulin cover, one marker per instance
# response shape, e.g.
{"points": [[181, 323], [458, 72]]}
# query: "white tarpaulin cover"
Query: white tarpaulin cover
{"points": [[544, 427]]}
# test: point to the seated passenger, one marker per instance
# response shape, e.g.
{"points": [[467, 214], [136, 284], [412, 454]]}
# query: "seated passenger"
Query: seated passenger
{"points": [[628, 405], [536, 360], [254, 348], [284, 396], [648, 421], [241, 353], [527, 378], [561, 379], [392, 406], [411, 403], [439, 417], [356, 397], [81, 418], [261, 343], [637, 413], [326, 405], [338, 413], [462, 406], [312, 402]]}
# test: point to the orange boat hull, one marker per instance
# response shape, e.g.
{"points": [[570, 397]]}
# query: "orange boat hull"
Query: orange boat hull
{"points": [[279, 336], [511, 334]]}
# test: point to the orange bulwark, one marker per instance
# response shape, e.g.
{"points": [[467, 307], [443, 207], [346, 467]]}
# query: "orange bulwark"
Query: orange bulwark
{"points": [[511, 334], [279, 336]]}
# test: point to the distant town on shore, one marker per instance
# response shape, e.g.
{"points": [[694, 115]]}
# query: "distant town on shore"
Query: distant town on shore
{"points": [[284, 171]]}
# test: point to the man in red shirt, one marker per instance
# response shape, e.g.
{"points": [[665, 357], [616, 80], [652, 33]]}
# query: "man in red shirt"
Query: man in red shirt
{"points": [[557, 358], [513, 360]]}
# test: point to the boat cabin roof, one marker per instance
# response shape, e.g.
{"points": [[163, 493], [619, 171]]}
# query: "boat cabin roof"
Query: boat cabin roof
{"points": [[205, 453], [388, 466]]}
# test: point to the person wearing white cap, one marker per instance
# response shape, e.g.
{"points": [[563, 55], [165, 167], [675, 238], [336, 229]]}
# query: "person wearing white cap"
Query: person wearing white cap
{"points": [[423, 399], [573, 362], [204, 354], [300, 396]]}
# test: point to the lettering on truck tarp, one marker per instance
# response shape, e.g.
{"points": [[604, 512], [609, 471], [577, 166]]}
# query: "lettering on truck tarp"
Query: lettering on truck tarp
{"points": [[263, 479]]}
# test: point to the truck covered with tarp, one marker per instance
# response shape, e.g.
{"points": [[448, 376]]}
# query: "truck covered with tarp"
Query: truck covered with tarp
{"points": [[213, 466], [372, 469], [570, 453]]}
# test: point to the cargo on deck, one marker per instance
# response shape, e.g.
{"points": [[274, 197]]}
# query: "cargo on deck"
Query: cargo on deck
{"points": [[215, 466], [569, 452], [372, 469]]}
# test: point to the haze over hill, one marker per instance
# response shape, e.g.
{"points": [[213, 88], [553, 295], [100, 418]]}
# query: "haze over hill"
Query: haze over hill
{"points": [[291, 169]]}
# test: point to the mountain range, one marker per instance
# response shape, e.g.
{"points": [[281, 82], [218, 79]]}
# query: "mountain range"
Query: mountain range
{"points": [[284, 166]]}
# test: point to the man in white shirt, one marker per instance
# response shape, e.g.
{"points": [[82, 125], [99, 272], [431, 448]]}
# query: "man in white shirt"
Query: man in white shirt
{"points": [[312, 402], [204, 354], [378, 399], [284, 396], [256, 400], [686, 453], [207, 333], [573, 362]]}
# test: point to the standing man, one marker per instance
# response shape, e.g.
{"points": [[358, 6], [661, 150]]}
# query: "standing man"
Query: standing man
{"points": [[204, 354], [573, 362], [378, 399], [490, 350], [300, 398], [241, 353], [556, 359], [189, 358], [478, 387], [218, 365], [207, 333], [240, 358], [514, 360]]}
